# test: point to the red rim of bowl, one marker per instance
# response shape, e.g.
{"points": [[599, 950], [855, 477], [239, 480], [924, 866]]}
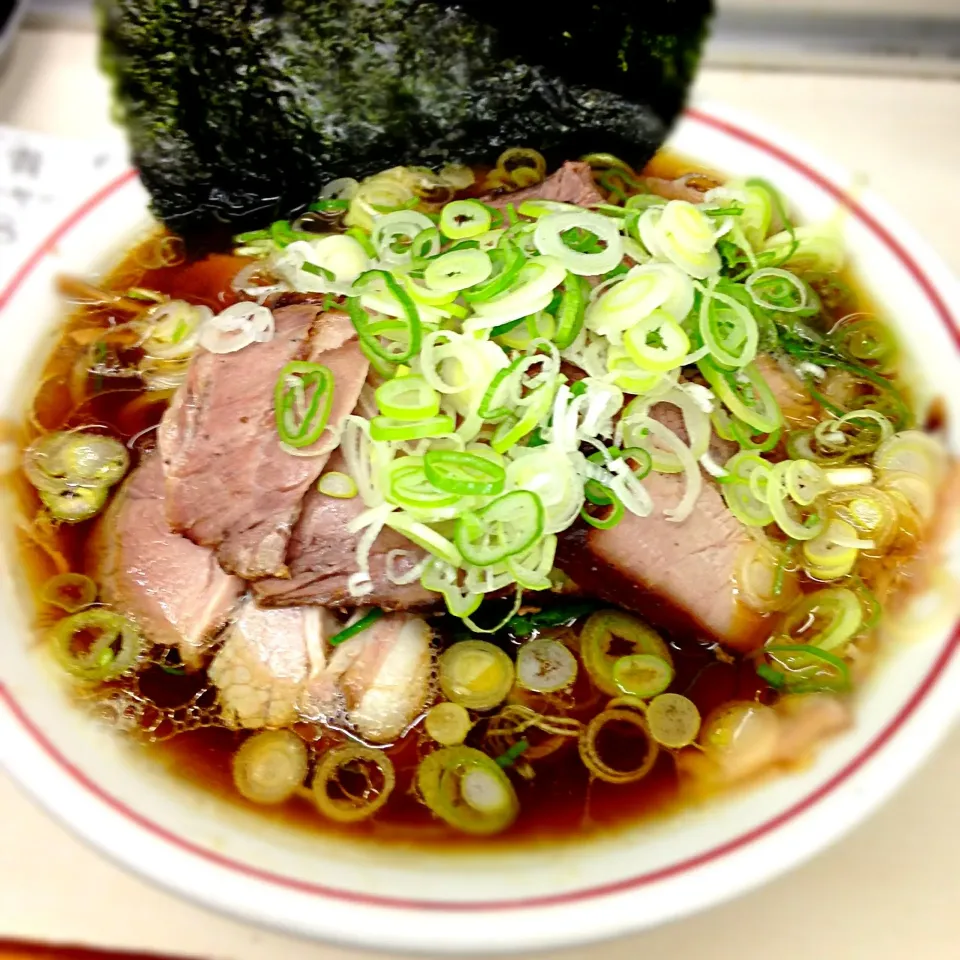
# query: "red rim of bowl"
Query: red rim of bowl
{"points": [[645, 879]]}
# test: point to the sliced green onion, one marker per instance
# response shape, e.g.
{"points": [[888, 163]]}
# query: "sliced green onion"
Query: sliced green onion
{"points": [[604, 635], [69, 591], [510, 755], [448, 724], [746, 394], [570, 312], [462, 219], [508, 526], [508, 261], [75, 504], [728, 329], [642, 675], [546, 666], [533, 413], [590, 752], [466, 474], [426, 243], [367, 620], [521, 334], [673, 720], [409, 486], [776, 289], [468, 790], [302, 399], [494, 403], [458, 270], [361, 319], [657, 342], [337, 484], [549, 238], [533, 292], [609, 514], [393, 234], [827, 619], [426, 537], [407, 398], [443, 578], [531, 569], [808, 669], [111, 644], [270, 766], [475, 674], [390, 429], [343, 806]]}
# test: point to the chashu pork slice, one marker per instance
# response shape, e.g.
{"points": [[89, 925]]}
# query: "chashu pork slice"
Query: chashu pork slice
{"points": [[264, 661], [572, 183], [276, 667], [230, 484], [322, 556], [380, 679], [679, 576], [174, 589]]}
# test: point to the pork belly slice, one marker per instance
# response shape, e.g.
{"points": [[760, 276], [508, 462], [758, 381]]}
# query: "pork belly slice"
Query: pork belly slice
{"points": [[572, 183], [276, 667], [173, 589], [230, 485], [322, 557], [266, 657], [380, 680], [679, 576]]}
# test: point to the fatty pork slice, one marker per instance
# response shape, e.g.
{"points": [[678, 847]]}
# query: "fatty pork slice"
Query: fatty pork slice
{"points": [[380, 679], [679, 576], [266, 658], [323, 555], [230, 485], [572, 183], [173, 589]]}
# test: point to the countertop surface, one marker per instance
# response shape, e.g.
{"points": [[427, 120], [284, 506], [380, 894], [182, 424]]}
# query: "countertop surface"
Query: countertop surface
{"points": [[889, 890]]}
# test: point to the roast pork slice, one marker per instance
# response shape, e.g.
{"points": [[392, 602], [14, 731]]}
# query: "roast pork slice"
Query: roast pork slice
{"points": [[572, 183], [679, 576], [174, 589], [230, 485], [322, 557], [265, 660], [379, 679]]}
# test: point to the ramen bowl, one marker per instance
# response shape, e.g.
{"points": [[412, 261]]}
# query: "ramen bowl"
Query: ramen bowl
{"points": [[474, 900]]}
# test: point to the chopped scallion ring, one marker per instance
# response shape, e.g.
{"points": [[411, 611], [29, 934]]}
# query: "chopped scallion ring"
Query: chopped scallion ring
{"points": [[745, 393], [463, 219], [657, 343], [391, 429], [510, 525], [807, 669], [336, 484], [411, 339], [409, 487], [408, 398], [642, 675], [466, 474], [96, 645], [458, 270], [303, 398]]}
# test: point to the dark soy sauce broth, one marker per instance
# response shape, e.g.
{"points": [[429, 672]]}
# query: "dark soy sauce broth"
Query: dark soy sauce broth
{"points": [[561, 801]]}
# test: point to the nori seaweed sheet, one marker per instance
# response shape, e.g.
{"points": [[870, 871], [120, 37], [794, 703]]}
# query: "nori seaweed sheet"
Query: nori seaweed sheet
{"points": [[238, 112]]}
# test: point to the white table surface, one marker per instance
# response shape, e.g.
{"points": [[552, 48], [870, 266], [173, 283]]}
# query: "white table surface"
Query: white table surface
{"points": [[889, 890]]}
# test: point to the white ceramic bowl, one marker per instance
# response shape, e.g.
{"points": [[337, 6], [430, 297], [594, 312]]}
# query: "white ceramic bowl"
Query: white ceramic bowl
{"points": [[318, 886]]}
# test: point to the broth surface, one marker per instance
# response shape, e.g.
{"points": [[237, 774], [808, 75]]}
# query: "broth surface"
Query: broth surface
{"points": [[560, 801]]}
